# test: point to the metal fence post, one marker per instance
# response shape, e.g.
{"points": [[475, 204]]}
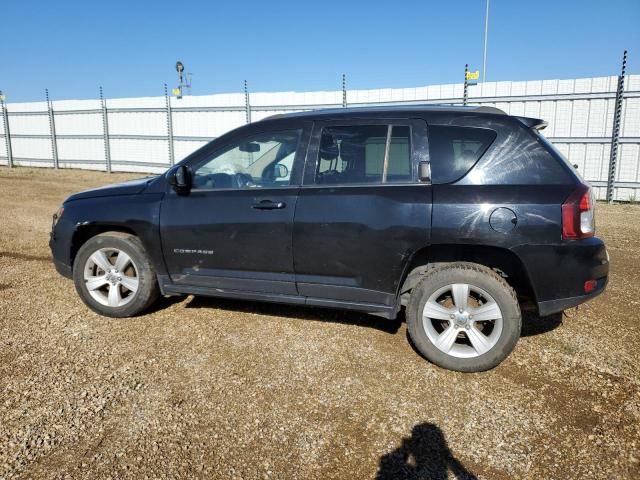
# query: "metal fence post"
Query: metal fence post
{"points": [[52, 131], [465, 96], [105, 131], [169, 124], [247, 104], [615, 134], [7, 132], [344, 91]]}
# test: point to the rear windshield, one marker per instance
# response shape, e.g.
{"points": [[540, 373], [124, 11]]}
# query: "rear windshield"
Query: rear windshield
{"points": [[454, 150]]}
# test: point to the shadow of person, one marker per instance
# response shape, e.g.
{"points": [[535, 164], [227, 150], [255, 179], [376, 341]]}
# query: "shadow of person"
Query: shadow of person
{"points": [[424, 455]]}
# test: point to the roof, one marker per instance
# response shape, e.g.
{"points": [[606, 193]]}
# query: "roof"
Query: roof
{"points": [[387, 109]]}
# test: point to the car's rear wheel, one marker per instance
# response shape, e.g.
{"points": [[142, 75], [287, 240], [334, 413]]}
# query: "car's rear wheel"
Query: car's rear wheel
{"points": [[464, 317], [113, 275]]}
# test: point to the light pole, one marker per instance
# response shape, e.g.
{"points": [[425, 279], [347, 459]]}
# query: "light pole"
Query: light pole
{"points": [[181, 78], [179, 69], [486, 35]]}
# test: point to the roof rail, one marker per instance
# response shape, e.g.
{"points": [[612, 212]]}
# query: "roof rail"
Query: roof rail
{"points": [[426, 107]]}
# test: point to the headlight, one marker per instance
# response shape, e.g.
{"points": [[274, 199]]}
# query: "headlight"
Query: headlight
{"points": [[57, 215]]}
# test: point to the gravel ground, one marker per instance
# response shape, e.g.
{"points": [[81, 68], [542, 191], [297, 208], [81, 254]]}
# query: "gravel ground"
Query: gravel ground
{"points": [[221, 389]]}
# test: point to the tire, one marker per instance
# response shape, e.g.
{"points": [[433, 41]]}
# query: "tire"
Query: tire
{"points": [[124, 286], [477, 339]]}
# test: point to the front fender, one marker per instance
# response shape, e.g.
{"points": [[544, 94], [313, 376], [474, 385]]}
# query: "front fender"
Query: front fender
{"points": [[85, 218]]}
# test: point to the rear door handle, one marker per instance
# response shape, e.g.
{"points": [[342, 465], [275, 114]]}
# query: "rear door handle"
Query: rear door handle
{"points": [[267, 205]]}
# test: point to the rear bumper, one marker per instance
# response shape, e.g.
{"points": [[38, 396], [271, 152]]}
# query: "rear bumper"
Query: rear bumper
{"points": [[549, 307], [558, 272]]}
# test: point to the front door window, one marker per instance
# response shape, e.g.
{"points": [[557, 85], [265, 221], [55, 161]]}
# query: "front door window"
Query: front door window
{"points": [[263, 160]]}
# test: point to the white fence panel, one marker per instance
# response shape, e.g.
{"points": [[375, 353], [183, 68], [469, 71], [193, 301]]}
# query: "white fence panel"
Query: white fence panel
{"points": [[631, 118], [77, 124], [29, 124], [31, 149], [139, 152], [138, 123], [81, 149], [3, 152], [207, 124], [185, 147], [579, 113]]}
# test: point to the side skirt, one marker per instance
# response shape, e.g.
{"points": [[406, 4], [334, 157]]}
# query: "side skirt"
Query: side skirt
{"points": [[384, 311]]}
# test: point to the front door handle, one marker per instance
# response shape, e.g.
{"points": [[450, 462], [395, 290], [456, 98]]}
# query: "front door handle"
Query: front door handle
{"points": [[267, 205]]}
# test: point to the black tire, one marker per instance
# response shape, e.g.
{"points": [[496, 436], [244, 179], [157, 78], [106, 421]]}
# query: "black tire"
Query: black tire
{"points": [[474, 275], [147, 291]]}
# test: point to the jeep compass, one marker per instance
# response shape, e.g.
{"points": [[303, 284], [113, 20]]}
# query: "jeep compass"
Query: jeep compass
{"points": [[462, 216]]}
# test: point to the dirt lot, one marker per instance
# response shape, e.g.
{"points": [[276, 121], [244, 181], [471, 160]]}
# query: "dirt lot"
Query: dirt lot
{"points": [[221, 389]]}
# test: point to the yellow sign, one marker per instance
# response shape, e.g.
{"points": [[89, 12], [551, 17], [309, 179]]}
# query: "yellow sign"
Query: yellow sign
{"points": [[2, 97], [176, 92], [473, 75]]}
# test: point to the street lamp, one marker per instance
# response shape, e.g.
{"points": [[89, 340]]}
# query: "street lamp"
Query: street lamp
{"points": [[180, 69], [486, 35]]}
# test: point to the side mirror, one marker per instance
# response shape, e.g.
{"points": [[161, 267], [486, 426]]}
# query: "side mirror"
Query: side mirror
{"points": [[180, 179], [424, 171], [280, 171]]}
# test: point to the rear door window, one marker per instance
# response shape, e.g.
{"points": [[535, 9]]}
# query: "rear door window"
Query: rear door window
{"points": [[454, 150], [364, 154]]}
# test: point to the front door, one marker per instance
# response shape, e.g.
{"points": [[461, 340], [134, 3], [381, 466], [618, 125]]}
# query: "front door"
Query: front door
{"points": [[233, 231], [361, 212]]}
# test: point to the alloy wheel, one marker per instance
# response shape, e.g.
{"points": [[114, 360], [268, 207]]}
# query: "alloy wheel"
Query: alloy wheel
{"points": [[111, 277], [462, 320]]}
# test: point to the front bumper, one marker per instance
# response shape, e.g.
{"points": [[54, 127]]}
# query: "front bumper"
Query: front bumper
{"points": [[60, 249], [63, 269]]}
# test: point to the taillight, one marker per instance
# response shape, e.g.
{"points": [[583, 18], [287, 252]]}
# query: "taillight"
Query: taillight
{"points": [[590, 286], [578, 215]]}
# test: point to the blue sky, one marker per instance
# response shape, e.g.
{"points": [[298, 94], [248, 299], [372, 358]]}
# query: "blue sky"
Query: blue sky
{"points": [[130, 48]]}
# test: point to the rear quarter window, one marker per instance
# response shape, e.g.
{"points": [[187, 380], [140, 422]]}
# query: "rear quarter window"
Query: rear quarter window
{"points": [[521, 157], [557, 154], [453, 151]]}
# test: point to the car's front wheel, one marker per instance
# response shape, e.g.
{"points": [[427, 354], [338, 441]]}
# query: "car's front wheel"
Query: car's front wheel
{"points": [[113, 275], [464, 316]]}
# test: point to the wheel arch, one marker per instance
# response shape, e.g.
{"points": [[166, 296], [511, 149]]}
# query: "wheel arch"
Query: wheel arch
{"points": [[504, 261], [84, 233]]}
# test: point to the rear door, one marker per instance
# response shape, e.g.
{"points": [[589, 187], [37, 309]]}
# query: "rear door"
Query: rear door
{"points": [[361, 211], [234, 229]]}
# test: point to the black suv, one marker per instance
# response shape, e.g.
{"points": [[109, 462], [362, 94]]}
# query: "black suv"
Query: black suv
{"points": [[463, 215]]}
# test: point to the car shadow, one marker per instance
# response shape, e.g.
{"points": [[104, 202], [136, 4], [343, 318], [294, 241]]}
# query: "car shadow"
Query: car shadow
{"points": [[533, 324], [300, 313], [163, 302], [425, 454]]}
